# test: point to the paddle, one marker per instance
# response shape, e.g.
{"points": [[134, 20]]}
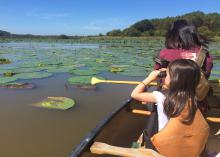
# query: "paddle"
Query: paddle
{"points": [[214, 81], [95, 80]]}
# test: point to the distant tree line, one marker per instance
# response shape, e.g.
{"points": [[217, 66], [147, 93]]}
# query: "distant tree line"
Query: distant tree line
{"points": [[207, 24], [4, 33]]}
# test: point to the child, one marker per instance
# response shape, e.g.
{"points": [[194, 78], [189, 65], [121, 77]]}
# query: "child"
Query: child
{"points": [[182, 41], [183, 130]]}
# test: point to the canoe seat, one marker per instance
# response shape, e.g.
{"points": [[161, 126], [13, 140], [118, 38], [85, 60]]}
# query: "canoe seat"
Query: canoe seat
{"points": [[141, 112], [103, 148]]}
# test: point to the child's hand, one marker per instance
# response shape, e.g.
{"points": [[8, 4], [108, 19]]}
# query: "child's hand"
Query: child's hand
{"points": [[152, 76]]}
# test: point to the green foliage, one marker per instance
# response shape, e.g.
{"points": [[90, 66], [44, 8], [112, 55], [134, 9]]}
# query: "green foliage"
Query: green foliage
{"points": [[208, 24], [115, 32], [131, 32], [63, 36], [142, 26], [4, 33], [204, 30]]}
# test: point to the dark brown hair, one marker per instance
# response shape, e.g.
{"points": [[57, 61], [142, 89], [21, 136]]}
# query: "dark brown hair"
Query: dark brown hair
{"points": [[183, 35], [184, 78]]}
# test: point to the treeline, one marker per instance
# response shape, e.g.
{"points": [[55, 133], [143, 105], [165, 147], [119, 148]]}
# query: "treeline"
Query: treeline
{"points": [[207, 24], [5, 34]]}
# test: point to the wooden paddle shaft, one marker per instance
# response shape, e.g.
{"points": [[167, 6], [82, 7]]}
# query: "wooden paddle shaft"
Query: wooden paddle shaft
{"points": [[127, 82]]}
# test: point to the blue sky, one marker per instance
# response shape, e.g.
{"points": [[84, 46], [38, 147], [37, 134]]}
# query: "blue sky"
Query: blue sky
{"points": [[90, 17]]}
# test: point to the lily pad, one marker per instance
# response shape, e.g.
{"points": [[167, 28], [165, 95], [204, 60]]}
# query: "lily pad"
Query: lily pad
{"points": [[18, 85], [60, 103], [116, 69], [4, 80], [84, 72]]}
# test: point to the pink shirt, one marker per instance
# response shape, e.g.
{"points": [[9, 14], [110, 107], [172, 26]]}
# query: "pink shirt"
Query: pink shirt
{"points": [[173, 54]]}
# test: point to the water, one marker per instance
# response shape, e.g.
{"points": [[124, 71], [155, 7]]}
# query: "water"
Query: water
{"points": [[30, 131]]}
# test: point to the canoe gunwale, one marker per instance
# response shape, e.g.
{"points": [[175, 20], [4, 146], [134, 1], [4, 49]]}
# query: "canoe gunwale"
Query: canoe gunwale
{"points": [[88, 139]]}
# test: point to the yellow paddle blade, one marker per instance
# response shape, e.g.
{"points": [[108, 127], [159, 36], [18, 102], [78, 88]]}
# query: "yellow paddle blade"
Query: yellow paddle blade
{"points": [[95, 80]]}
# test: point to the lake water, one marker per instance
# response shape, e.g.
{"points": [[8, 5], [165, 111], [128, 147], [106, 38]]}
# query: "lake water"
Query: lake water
{"points": [[28, 131]]}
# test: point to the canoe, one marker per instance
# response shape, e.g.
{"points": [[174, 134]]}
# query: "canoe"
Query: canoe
{"points": [[125, 124]]}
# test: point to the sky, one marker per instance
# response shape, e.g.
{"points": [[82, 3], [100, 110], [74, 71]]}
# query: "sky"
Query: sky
{"points": [[90, 17]]}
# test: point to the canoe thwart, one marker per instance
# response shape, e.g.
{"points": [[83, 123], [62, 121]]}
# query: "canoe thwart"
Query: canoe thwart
{"points": [[142, 112], [103, 148], [213, 119]]}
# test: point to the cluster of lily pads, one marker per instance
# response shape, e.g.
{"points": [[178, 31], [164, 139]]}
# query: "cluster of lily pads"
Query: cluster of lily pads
{"points": [[22, 61]]}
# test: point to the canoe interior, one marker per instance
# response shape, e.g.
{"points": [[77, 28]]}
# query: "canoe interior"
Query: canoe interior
{"points": [[125, 127], [122, 130]]}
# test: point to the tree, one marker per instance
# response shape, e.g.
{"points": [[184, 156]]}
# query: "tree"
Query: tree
{"points": [[63, 36], [142, 26], [204, 30], [132, 32], [114, 32], [196, 18], [4, 33]]}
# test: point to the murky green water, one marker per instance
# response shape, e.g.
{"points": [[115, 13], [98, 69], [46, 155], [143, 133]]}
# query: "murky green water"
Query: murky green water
{"points": [[27, 131]]}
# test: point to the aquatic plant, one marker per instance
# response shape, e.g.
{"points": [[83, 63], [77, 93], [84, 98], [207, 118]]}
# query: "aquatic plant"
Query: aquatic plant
{"points": [[9, 74], [4, 61], [60, 103], [84, 72], [18, 85]]}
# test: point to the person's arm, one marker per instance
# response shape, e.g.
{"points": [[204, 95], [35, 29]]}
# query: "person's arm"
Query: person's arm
{"points": [[139, 92]]}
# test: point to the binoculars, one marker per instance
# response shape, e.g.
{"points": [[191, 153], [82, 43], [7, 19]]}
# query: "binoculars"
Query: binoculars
{"points": [[162, 74]]}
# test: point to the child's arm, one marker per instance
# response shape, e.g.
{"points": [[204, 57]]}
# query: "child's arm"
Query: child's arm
{"points": [[139, 92]]}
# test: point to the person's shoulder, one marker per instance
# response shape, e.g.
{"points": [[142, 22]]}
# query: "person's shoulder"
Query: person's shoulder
{"points": [[166, 50], [170, 54]]}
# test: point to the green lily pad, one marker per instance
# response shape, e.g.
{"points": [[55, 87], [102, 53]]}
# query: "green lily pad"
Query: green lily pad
{"points": [[60, 103], [101, 60], [116, 69], [84, 72], [18, 85], [5, 80]]}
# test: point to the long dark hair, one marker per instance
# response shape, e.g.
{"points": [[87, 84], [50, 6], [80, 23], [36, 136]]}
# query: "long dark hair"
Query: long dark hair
{"points": [[182, 35], [184, 78]]}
